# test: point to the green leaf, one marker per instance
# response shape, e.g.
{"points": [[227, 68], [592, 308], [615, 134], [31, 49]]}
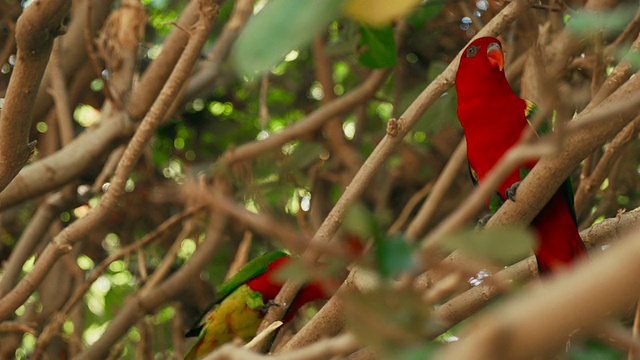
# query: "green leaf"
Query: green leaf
{"points": [[400, 312], [585, 22], [424, 13], [359, 220], [503, 246], [378, 47], [281, 26], [442, 113], [305, 154], [422, 351], [393, 255], [592, 350]]}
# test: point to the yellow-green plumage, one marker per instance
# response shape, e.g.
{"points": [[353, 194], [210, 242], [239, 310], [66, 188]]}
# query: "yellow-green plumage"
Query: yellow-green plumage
{"points": [[234, 317]]}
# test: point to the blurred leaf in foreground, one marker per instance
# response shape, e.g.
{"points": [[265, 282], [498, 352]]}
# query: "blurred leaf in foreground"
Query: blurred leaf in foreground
{"points": [[503, 246], [378, 47], [396, 324], [585, 22], [280, 27]]}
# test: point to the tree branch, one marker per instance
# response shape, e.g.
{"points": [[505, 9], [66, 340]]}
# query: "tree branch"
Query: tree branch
{"points": [[515, 330], [36, 29]]}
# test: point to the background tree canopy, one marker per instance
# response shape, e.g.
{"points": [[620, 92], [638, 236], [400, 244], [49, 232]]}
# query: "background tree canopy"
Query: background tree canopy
{"points": [[148, 148]]}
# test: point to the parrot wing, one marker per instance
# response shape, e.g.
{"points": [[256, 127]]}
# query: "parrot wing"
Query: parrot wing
{"points": [[252, 269]]}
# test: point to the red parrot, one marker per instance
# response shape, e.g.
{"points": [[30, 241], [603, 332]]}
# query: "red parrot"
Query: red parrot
{"points": [[493, 119], [242, 302]]}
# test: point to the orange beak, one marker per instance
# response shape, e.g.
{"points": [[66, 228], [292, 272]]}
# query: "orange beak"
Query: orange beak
{"points": [[495, 56]]}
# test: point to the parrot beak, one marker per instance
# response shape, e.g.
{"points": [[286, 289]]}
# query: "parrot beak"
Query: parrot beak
{"points": [[495, 56]]}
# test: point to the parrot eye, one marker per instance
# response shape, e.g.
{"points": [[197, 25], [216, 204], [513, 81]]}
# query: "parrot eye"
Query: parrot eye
{"points": [[472, 51]]}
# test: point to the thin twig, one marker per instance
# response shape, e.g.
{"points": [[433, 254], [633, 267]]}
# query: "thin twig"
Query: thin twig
{"points": [[634, 353], [93, 58], [15, 326], [242, 255]]}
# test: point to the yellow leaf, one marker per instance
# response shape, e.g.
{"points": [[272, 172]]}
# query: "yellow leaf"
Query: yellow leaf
{"points": [[379, 13]]}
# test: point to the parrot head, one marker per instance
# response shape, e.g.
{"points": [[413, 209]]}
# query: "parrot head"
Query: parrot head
{"points": [[484, 52], [481, 67]]}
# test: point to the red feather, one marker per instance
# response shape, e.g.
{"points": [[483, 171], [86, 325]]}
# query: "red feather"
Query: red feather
{"points": [[269, 285], [493, 119]]}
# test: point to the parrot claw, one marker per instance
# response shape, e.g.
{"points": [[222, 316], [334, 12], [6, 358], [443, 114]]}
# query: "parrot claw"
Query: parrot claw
{"points": [[265, 308], [511, 191], [483, 221]]}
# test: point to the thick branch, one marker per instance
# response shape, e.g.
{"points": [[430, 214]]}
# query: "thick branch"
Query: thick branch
{"points": [[36, 29], [211, 68], [514, 330], [145, 93], [68, 163], [72, 52]]}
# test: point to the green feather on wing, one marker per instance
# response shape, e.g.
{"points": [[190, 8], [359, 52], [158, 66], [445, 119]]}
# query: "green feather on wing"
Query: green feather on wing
{"points": [[252, 269]]}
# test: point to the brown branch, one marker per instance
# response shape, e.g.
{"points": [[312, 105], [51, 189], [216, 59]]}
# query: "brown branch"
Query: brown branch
{"points": [[30, 238], [211, 68], [62, 103], [616, 336], [332, 129], [323, 349], [627, 34], [73, 54], [409, 207], [439, 191], [14, 326], [514, 330], [474, 299], [598, 66], [68, 163], [589, 185], [146, 91], [35, 31], [621, 73], [62, 243], [634, 354], [242, 255], [93, 57]]}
